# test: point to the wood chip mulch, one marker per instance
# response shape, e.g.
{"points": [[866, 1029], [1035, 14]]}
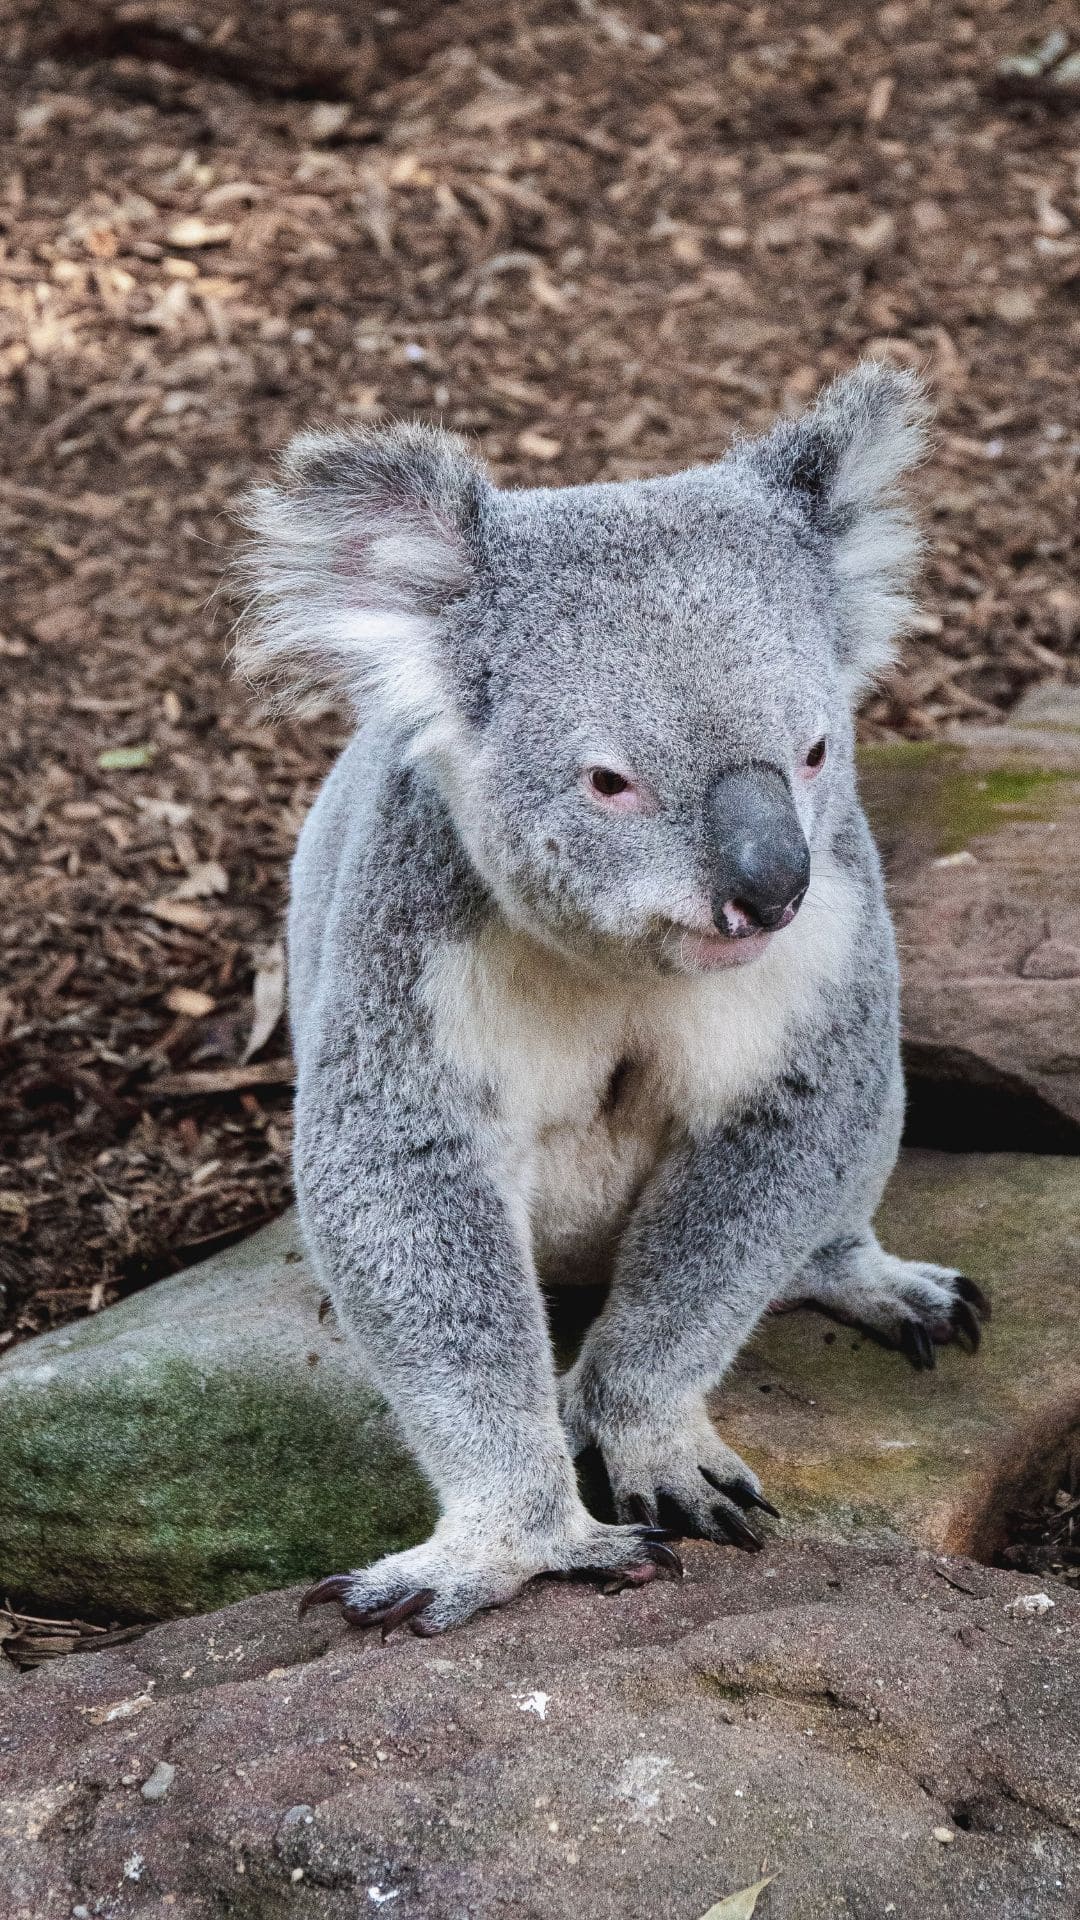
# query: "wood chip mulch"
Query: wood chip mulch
{"points": [[598, 238], [29, 1640]]}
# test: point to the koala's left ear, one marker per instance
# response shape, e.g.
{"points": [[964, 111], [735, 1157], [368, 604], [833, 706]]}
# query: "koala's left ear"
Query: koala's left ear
{"points": [[357, 554], [842, 462]]}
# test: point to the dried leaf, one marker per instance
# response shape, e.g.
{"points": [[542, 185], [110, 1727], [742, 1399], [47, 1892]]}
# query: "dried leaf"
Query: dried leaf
{"points": [[538, 446], [211, 1080], [181, 913], [739, 1906], [268, 994], [125, 759], [202, 881], [189, 1002], [193, 232], [172, 813]]}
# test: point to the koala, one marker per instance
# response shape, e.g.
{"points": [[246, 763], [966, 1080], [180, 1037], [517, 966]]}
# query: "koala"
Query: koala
{"points": [[591, 971]]}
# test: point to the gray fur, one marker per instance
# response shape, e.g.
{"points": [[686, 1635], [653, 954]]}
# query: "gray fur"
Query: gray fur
{"points": [[511, 1059]]}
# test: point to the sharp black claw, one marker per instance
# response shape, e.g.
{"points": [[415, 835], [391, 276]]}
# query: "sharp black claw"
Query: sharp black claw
{"points": [[658, 1533], [666, 1556], [405, 1609], [966, 1326], [918, 1346], [759, 1500], [639, 1509], [974, 1296], [740, 1494], [737, 1530], [334, 1587]]}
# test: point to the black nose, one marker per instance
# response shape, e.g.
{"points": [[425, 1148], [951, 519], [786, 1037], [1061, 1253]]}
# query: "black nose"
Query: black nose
{"points": [[760, 862]]}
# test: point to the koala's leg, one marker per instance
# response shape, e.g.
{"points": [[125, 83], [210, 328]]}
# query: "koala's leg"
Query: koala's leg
{"points": [[910, 1304], [429, 1273], [711, 1244], [719, 1234]]}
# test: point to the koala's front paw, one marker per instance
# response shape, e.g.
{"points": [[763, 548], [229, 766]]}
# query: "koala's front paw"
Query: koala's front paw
{"points": [[677, 1471], [448, 1578]]}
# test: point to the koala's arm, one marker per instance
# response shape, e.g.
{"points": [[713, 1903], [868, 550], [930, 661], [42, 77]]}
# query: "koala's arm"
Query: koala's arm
{"points": [[717, 1236], [426, 1269], [427, 1264]]}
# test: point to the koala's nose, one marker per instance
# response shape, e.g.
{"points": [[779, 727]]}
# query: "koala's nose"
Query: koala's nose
{"points": [[760, 862]]}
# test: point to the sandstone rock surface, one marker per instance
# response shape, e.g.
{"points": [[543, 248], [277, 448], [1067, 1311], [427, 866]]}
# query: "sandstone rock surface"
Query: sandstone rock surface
{"points": [[981, 839], [213, 1437], [852, 1444], [883, 1732]]}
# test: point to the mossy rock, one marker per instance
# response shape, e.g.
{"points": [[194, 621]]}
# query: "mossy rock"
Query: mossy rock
{"points": [[206, 1439], [211, 1437], [852, 1444], [980, 834]]}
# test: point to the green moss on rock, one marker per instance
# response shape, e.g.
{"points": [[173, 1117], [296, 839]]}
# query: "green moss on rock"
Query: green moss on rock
{"points": [[165, 1489], [929, 796], [202, 1441]]}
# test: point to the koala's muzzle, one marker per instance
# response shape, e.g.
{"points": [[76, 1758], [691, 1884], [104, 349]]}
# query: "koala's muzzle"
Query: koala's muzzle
{"points": [[760, 862]]}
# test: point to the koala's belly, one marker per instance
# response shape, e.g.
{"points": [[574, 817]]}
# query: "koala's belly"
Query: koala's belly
{"points": [[582, 1178]]}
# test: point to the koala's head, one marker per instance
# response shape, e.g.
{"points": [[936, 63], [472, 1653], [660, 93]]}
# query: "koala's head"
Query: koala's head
{"points": [[636, 698]]}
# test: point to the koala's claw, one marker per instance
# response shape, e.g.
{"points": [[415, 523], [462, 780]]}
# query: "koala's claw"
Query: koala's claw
{"points": [[974, 1296], [966, 1327], [682, 1490], [744, 1496], [406, 1609], [666, 1556], [334, 1587], [729, 1517], [962, 1322], [916, 1344]]}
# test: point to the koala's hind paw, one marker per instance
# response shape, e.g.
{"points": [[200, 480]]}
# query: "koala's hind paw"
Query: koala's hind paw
{"points": [[932, 1307], [439, 1585], [911, 1305], [685, 1475]]}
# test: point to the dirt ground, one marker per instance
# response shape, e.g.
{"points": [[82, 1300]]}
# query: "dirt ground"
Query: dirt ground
{"points": [[598, 239]]}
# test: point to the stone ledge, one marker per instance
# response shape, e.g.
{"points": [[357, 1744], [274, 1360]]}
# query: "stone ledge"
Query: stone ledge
{"points": [[885, 1732]]}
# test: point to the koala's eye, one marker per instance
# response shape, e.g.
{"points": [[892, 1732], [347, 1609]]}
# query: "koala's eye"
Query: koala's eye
{"points": [[606, 783], [613, 791], [816, 756]]}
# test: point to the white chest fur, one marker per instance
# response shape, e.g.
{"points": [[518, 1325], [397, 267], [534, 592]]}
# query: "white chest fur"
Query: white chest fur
{"points": [[592, 1079]]}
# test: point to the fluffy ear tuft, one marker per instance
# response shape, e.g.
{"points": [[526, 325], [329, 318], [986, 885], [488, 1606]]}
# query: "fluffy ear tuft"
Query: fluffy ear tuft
{"points": [[354, 556], [842, 461]]}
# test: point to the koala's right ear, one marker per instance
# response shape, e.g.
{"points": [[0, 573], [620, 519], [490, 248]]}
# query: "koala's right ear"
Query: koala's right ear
{"points": [[354, 557]]}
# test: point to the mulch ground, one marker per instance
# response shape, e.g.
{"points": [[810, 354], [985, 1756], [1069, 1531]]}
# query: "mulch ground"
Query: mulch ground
{"points": [[598, 239]]}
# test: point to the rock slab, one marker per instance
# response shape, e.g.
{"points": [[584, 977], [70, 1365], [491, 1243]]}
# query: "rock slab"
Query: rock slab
{"points": [[213, 1437], [885, 1733], [980, 833], [852, 1444], [210, 1437]]}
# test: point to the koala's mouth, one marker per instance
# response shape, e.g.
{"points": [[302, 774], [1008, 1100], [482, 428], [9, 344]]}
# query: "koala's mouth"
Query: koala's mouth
{"points": [[705, 952]]}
